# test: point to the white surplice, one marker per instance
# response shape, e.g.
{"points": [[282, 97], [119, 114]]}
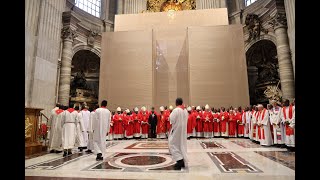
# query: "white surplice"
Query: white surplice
{"points": [[246, 117], [178, 134], [278, 129], [90, 131], [101, 126], [289, 139], [68, 124]]}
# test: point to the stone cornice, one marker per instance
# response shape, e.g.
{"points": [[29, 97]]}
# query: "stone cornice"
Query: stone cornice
{"points": [[278, 21], [67, 33]]}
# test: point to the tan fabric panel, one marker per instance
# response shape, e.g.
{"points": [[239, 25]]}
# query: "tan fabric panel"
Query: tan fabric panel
{"points": [[180, 19], [218, 71], [171, 66], [126, 69]]}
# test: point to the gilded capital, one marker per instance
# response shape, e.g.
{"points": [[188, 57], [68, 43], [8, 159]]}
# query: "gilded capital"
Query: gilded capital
{"points": [[68, 33]]}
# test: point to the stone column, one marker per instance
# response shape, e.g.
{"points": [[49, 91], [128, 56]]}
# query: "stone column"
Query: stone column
{"points": [[68, 34], [290, 14], [279, 23]]}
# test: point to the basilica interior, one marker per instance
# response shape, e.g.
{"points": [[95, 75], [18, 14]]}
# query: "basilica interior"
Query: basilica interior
{"points": [[138, 53]]}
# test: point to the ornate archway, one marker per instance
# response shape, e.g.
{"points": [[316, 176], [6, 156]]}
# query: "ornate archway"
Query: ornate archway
{"points": [[85, 72], [263, 69]]}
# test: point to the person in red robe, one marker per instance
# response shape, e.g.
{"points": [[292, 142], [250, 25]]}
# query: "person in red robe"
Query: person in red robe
{"points": [[128, 125], [161, 125], [168, 125], [118, 124], [288, 119], [198, 116], [136, 117], [111, 130], [224, 125], [232, 123], [144, 123], [191, 131], [240, 122], [207, 119], [216, 124]]}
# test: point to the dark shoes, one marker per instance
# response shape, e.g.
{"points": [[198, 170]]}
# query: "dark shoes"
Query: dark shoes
{"points": [[99, 157], [88, 151], [65, 154], [179, 165], [52, 151]]}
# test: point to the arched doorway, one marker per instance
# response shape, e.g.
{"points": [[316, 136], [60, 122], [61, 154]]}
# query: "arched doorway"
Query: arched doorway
{"points": [[85, 72], [263, 69]]}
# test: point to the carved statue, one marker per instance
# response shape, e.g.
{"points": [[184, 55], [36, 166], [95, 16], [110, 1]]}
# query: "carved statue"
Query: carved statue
{"points": [[273, 93], [254, 26], [268, 72], [157, 5], [91, 38], [28, 127], [79, 81]]}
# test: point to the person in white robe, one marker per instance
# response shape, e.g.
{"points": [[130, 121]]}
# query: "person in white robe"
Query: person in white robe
{"points": [[85, 117], [254, 127], [246, 117], [277, 126], [90, 131], [101, 127], [178, 135], [80, 142], [288, 119], [68, 124], [55, 139], [264, 124]]}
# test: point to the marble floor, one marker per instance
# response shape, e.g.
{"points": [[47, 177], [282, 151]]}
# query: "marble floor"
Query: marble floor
{"points": [[215, 158]]}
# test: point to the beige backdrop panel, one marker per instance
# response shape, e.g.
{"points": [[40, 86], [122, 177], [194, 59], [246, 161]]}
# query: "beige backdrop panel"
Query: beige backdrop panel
{"points": [[218, 71], [171, 66], [126, 69], [181, 19]]}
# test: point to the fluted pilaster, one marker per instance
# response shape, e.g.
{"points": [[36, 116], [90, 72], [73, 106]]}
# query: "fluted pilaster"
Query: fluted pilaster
{"points": [[290, 14]]}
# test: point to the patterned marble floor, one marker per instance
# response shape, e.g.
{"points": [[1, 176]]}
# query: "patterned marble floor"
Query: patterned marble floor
{"points": [[215, 158]]}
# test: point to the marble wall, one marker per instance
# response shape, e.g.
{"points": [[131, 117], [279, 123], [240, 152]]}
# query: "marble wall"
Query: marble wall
{"points": [[42, 44], [210, 4], [133, 6]]}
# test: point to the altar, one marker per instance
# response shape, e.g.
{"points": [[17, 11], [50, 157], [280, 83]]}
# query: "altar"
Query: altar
{"points": [[153, 58]]}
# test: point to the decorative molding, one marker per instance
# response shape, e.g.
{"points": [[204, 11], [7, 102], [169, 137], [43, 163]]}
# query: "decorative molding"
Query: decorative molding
{"points": [[279, 20], [254, 27], [91, 37], [165, 5], [68, 33]]}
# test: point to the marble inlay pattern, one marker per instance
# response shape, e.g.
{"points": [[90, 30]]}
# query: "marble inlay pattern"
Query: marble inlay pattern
{"points": [[111, 144], [36, 155], [211, 145], [247, 144], [59, 162], [229, 162], [283, 157], [135, 162], [148, 145]]}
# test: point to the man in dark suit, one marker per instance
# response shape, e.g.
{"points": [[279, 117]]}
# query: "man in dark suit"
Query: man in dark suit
{"points": [[153, 119]]}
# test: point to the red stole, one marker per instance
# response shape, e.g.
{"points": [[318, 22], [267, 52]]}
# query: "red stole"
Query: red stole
{"points": [[289, 130]]}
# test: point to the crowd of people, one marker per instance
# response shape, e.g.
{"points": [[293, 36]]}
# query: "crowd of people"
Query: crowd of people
{"points": [[71, 127]]}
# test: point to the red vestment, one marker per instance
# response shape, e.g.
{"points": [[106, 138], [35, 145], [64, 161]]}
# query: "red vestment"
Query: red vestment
{"points": [[289, 130], [224, 118], [216, 118], [191, 123], [144, 123], [232, 125], [129, 125], [118, 124], [161, 124], [240, 123], [136, 123], [168, 125], [198, 116], [207, 121]]}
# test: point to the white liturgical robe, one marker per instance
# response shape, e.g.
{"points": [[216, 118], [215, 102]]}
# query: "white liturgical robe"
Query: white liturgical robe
{"points": [[178, 135], [101, 126], [263, 120], [288, 119], [278, 129], [68, 124], [90, 130], [246, 117], [85, 117], [55, 139], [79, 131]]}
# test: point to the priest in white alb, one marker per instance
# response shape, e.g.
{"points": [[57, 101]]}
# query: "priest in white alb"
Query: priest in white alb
{"points": [[85, 118], [277, 126], [55, 131], [101, 126], [264, 124], [80, 129], [288, 119], [178, 135], [68, 125]]}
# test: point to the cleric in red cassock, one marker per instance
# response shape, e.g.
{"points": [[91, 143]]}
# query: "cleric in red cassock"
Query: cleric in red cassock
{"points": [[232, 123], [128, 124], [224, 125], [198, 116], [136, 117], [240, 122], [207, 122], [118, 124], [168, 125], [111, 131], [191, 131], [144, 116], [161, 125], [216, 124]]}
